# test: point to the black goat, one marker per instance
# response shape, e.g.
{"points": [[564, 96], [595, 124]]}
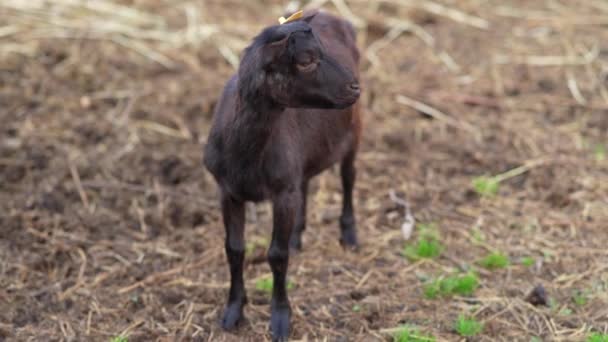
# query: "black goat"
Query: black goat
{"points": [[288, 114]]}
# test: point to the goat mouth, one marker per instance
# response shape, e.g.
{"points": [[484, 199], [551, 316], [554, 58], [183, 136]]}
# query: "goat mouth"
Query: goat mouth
{"points": [[346, 101]]}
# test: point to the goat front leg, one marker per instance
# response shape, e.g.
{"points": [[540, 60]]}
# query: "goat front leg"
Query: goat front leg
{"points": [[285, 206], [295, 243], [348, 229], [233, 212]]}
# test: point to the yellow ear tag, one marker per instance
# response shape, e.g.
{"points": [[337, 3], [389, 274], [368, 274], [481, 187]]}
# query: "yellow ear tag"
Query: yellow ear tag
{"points": [[291, 18]]}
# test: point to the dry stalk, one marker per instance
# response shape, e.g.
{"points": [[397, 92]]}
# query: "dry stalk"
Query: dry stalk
{"points": [[442, 11], [438, 115]]}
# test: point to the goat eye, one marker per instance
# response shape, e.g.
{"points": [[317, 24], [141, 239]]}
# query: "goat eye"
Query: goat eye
{"points": [[306, 66]]}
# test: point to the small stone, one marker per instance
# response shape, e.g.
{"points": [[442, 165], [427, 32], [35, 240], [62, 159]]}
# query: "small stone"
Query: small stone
{"points": [[85, 102], [538, 296]]}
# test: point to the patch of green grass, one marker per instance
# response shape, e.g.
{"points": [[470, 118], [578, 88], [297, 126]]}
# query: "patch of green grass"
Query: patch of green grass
{"points": [[467, 327], [553, 304], [535, 339], [255, 244], [597, 337], [565, 311], [463, 285], [427, 246], [486, 186], [580, 298], [411, 334], [266, 284], [356, 308], [527, 261], [494, 261], [478, 236], [119, 339], [599, 151]]}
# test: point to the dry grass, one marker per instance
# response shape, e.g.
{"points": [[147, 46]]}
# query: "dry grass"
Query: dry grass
{"points": [[109, 225]]}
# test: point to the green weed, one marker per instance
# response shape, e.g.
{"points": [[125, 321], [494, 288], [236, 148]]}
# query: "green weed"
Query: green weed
{"points": [[486, 186], [427, 246], [411, 334], [266, 284], [463, 285], [119, 339], [424, 249], [599, 151], [467, 327], [580, 298], [255, 244], [527, 261], [478, 236], [565, 312], [597, 337], [494, 261]]}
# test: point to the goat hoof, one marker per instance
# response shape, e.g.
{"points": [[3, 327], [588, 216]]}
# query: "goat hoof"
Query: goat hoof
{"points": [[348, 239], [232, 316], [279, 323]]}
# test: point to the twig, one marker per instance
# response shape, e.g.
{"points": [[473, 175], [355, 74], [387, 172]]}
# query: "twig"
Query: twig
{"points": [[519, 170], [347, 13], [229, 55], [468, 99], [161, 275], [144, 189], [443, 11], [78, 184], [407, 228], [587, 58], [159, 128], [572, 84], [435, 113], [145, 51]]}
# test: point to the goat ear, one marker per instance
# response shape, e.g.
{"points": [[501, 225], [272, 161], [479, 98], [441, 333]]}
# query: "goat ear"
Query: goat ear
{"points": [[275, 48], [308, 18]]}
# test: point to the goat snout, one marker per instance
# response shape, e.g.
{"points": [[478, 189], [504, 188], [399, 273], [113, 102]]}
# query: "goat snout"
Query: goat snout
{"points": [[354, 87]]}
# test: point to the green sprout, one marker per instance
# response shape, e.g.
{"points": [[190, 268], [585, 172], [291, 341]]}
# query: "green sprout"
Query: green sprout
{"points": [[597, 337], [255, 244], [467, 327], [478, 237], [488, 186], [599, 151], [494, 261], [580, 298], [553, 304], [427, 246], [527, 261], [463, 285], [408, 333], [356, 308], [266, 284], [119, 339], [565, 312]]}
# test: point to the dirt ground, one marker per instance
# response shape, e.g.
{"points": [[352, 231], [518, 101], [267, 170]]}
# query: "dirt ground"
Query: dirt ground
{"points": [[109, 224]]}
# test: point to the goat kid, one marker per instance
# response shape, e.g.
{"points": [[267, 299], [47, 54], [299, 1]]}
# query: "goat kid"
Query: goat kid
{"points": [[289, 113]]}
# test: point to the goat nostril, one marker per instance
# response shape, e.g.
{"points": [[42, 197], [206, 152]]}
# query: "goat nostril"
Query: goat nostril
{"points": [[354, 87]]}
